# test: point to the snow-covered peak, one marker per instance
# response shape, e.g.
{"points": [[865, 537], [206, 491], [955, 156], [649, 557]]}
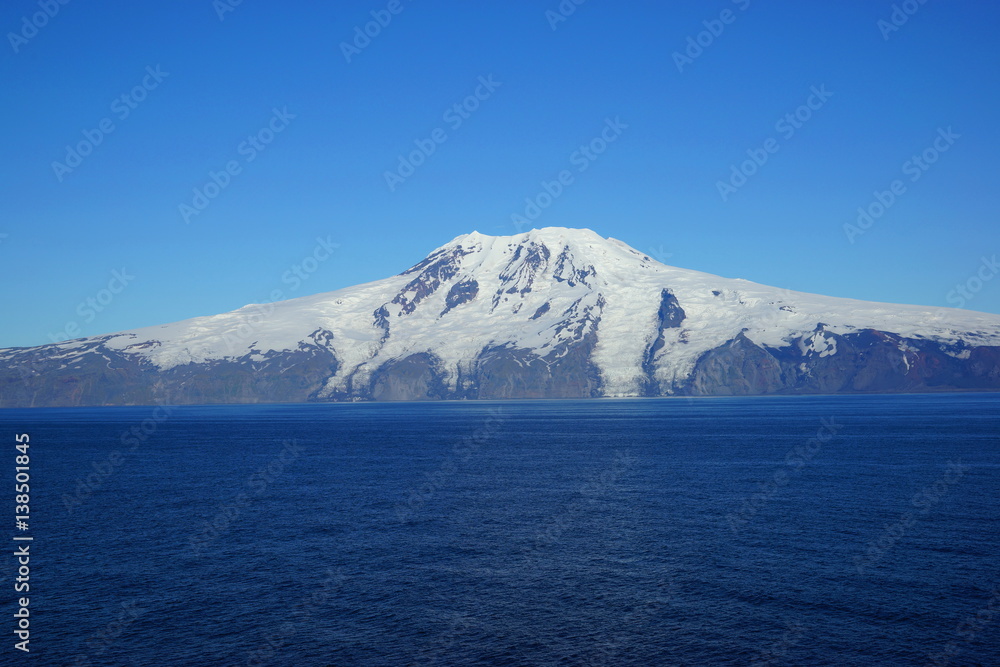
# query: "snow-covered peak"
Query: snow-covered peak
{"points": [[558, 235], [577, 240], [541, 292], [551, 251]]}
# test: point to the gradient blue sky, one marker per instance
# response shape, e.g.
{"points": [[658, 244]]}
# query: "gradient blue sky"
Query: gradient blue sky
{"points": [[323, 176]]}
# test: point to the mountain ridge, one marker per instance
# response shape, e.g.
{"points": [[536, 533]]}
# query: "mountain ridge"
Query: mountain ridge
{"points": [[553, 312]]}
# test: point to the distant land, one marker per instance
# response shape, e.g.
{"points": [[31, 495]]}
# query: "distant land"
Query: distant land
{"points": [[550, 313]]}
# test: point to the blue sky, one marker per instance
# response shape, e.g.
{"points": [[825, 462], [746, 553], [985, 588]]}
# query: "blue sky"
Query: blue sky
{"points": [[272, 82]]}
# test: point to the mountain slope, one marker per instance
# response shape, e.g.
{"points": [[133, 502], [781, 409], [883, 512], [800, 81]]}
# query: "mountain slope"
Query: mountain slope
{"points": [[549, 313]]}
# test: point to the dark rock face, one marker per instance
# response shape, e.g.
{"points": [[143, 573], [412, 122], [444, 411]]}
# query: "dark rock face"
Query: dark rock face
{"points": [[36, 377], [566, 271], [413, 378], [437, 260], [579, 319], [737, 368], [866, 361], [437, 269], [669, 316], [565, 371], [381, 319], [861, 362], [983, 368], [542, 309], [109, 377], [520, 272], [460, 293], [535, 257], [508, 372]]}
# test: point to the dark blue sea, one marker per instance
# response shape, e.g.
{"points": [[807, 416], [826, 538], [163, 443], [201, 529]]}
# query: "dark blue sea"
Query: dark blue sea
{"points": [[856, 530]]}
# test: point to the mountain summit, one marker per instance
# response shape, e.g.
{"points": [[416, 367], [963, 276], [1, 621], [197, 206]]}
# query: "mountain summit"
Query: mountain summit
{"points": [[553, 312]]}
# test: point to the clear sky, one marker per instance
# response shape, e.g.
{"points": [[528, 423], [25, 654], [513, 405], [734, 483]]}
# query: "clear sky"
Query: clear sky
{"points": [[140, 103]]}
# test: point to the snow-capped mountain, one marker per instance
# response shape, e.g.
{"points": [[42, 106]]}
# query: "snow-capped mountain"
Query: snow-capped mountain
{"points": [[553, 312]]}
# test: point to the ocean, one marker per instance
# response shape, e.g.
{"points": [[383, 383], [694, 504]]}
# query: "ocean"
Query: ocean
{"points": [[818, 530]]}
